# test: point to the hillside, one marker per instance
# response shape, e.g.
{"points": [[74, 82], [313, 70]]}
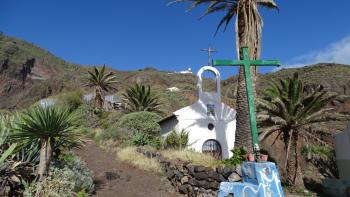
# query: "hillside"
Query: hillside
{"points": [[29, 73]]}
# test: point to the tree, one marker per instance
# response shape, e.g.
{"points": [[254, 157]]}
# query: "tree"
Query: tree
{"points": [[248, 29], [141, 98], [102, 82], [54, 127], [288, 109]]}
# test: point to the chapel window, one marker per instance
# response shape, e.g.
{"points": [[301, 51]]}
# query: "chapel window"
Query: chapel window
{"points": [[211, 126], [212, 147]]}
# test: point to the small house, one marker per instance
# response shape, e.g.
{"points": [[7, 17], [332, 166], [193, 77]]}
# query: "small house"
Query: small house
{"points": [[88, 98], [210, 123], [47, 102], [112, 102]]}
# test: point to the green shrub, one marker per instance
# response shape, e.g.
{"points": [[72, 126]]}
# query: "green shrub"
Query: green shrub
{"points": [[72, 99], [87, 117], [67, 177], [114, 133], [141, 139], [82, 193], [108, 119], [141, 122], [237, 158], [176, 140]]}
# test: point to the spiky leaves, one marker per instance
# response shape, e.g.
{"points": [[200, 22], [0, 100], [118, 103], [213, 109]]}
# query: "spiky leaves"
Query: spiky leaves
{"points": [[102, 82], [229, 6], [141, 98], [287, 109], [54, 127]]}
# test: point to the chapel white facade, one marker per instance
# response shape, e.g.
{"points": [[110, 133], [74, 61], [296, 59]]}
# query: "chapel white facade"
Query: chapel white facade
{"points": [[210, 123]]}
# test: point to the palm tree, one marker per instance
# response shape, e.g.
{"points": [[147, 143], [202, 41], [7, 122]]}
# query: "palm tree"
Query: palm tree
{"points": [[141, 98], [54, 127], [248, 29], [102, 82], [288, 109]]}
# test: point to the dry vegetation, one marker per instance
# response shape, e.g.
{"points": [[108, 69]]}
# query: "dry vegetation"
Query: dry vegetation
{"points": [[131, 156], [195, 158]]}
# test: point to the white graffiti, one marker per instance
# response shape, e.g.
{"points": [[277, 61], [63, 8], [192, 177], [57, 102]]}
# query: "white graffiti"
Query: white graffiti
{"points": [[265, 184]]}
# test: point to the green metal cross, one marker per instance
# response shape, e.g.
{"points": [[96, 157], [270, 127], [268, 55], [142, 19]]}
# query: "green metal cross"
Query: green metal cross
{"points": [[247, 63]]}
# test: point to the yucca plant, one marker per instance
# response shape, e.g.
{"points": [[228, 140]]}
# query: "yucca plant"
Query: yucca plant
{"points": [[141, 98], [287, 109], [248, 28], [102, 82], [53, 127], [5, 149]]}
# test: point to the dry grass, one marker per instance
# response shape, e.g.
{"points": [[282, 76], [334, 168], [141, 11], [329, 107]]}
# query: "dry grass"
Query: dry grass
{"points": [[131, 156], [195, 158]]}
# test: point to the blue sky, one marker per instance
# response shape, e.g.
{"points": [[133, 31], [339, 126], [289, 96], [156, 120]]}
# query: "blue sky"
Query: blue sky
{"points": [[129, 35]]}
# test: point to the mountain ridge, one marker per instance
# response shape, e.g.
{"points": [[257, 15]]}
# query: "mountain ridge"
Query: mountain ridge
{"points": [[24, 81]]}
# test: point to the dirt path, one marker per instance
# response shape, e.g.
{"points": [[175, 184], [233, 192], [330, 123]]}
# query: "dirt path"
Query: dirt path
{"points": [[114, 178]]}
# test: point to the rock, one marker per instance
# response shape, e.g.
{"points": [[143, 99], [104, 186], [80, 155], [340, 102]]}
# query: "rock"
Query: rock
{"points": [[214, 175], [190, 169], [239, 169], [226, 172], [201, 175], [193, 182], [200, 184], [184, 180], [204, 184], [183, 189], [178, 175], [234, 177], [199, 168], [214, 185], [170, 174]]}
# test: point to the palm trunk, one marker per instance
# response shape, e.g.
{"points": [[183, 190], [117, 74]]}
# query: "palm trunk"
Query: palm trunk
{"points": [[294, 175], [248, 31], [98, 98], [45, 158]]}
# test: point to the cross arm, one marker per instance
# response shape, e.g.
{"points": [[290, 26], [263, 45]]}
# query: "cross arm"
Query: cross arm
{"points": [[242, 62], [228, 62]]}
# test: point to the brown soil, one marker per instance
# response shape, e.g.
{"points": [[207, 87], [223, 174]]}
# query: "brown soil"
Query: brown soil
{"points": [[113, 178]]}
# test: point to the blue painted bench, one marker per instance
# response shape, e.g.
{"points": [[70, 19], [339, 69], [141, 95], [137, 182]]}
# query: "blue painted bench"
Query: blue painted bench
{"points": [[259, 180]]}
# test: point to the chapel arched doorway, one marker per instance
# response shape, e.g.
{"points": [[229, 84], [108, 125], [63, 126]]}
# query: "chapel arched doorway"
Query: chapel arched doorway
{"points": [[213, 148]]}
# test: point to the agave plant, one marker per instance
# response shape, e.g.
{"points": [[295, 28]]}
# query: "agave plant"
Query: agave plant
{"points": [[4, 132], [141, 98], [102, 82], [53, 127], [287, 109]]}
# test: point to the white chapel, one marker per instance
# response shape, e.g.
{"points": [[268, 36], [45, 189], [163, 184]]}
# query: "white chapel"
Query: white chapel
{"points": [[210, 123]]}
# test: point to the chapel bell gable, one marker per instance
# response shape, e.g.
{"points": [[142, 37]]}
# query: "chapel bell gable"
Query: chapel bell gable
{"points": [[209, 97]]}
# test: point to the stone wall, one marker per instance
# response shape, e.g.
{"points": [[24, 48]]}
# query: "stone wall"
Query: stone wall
{"points": [[194, 180]]}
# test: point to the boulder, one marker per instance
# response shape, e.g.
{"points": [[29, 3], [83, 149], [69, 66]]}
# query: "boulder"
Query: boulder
{"points": [[199, 168], [214, 175], [214, 185], [184, 180], [234, 177], [190, 169], [170, 174], [183, 189], [201, 175]]}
